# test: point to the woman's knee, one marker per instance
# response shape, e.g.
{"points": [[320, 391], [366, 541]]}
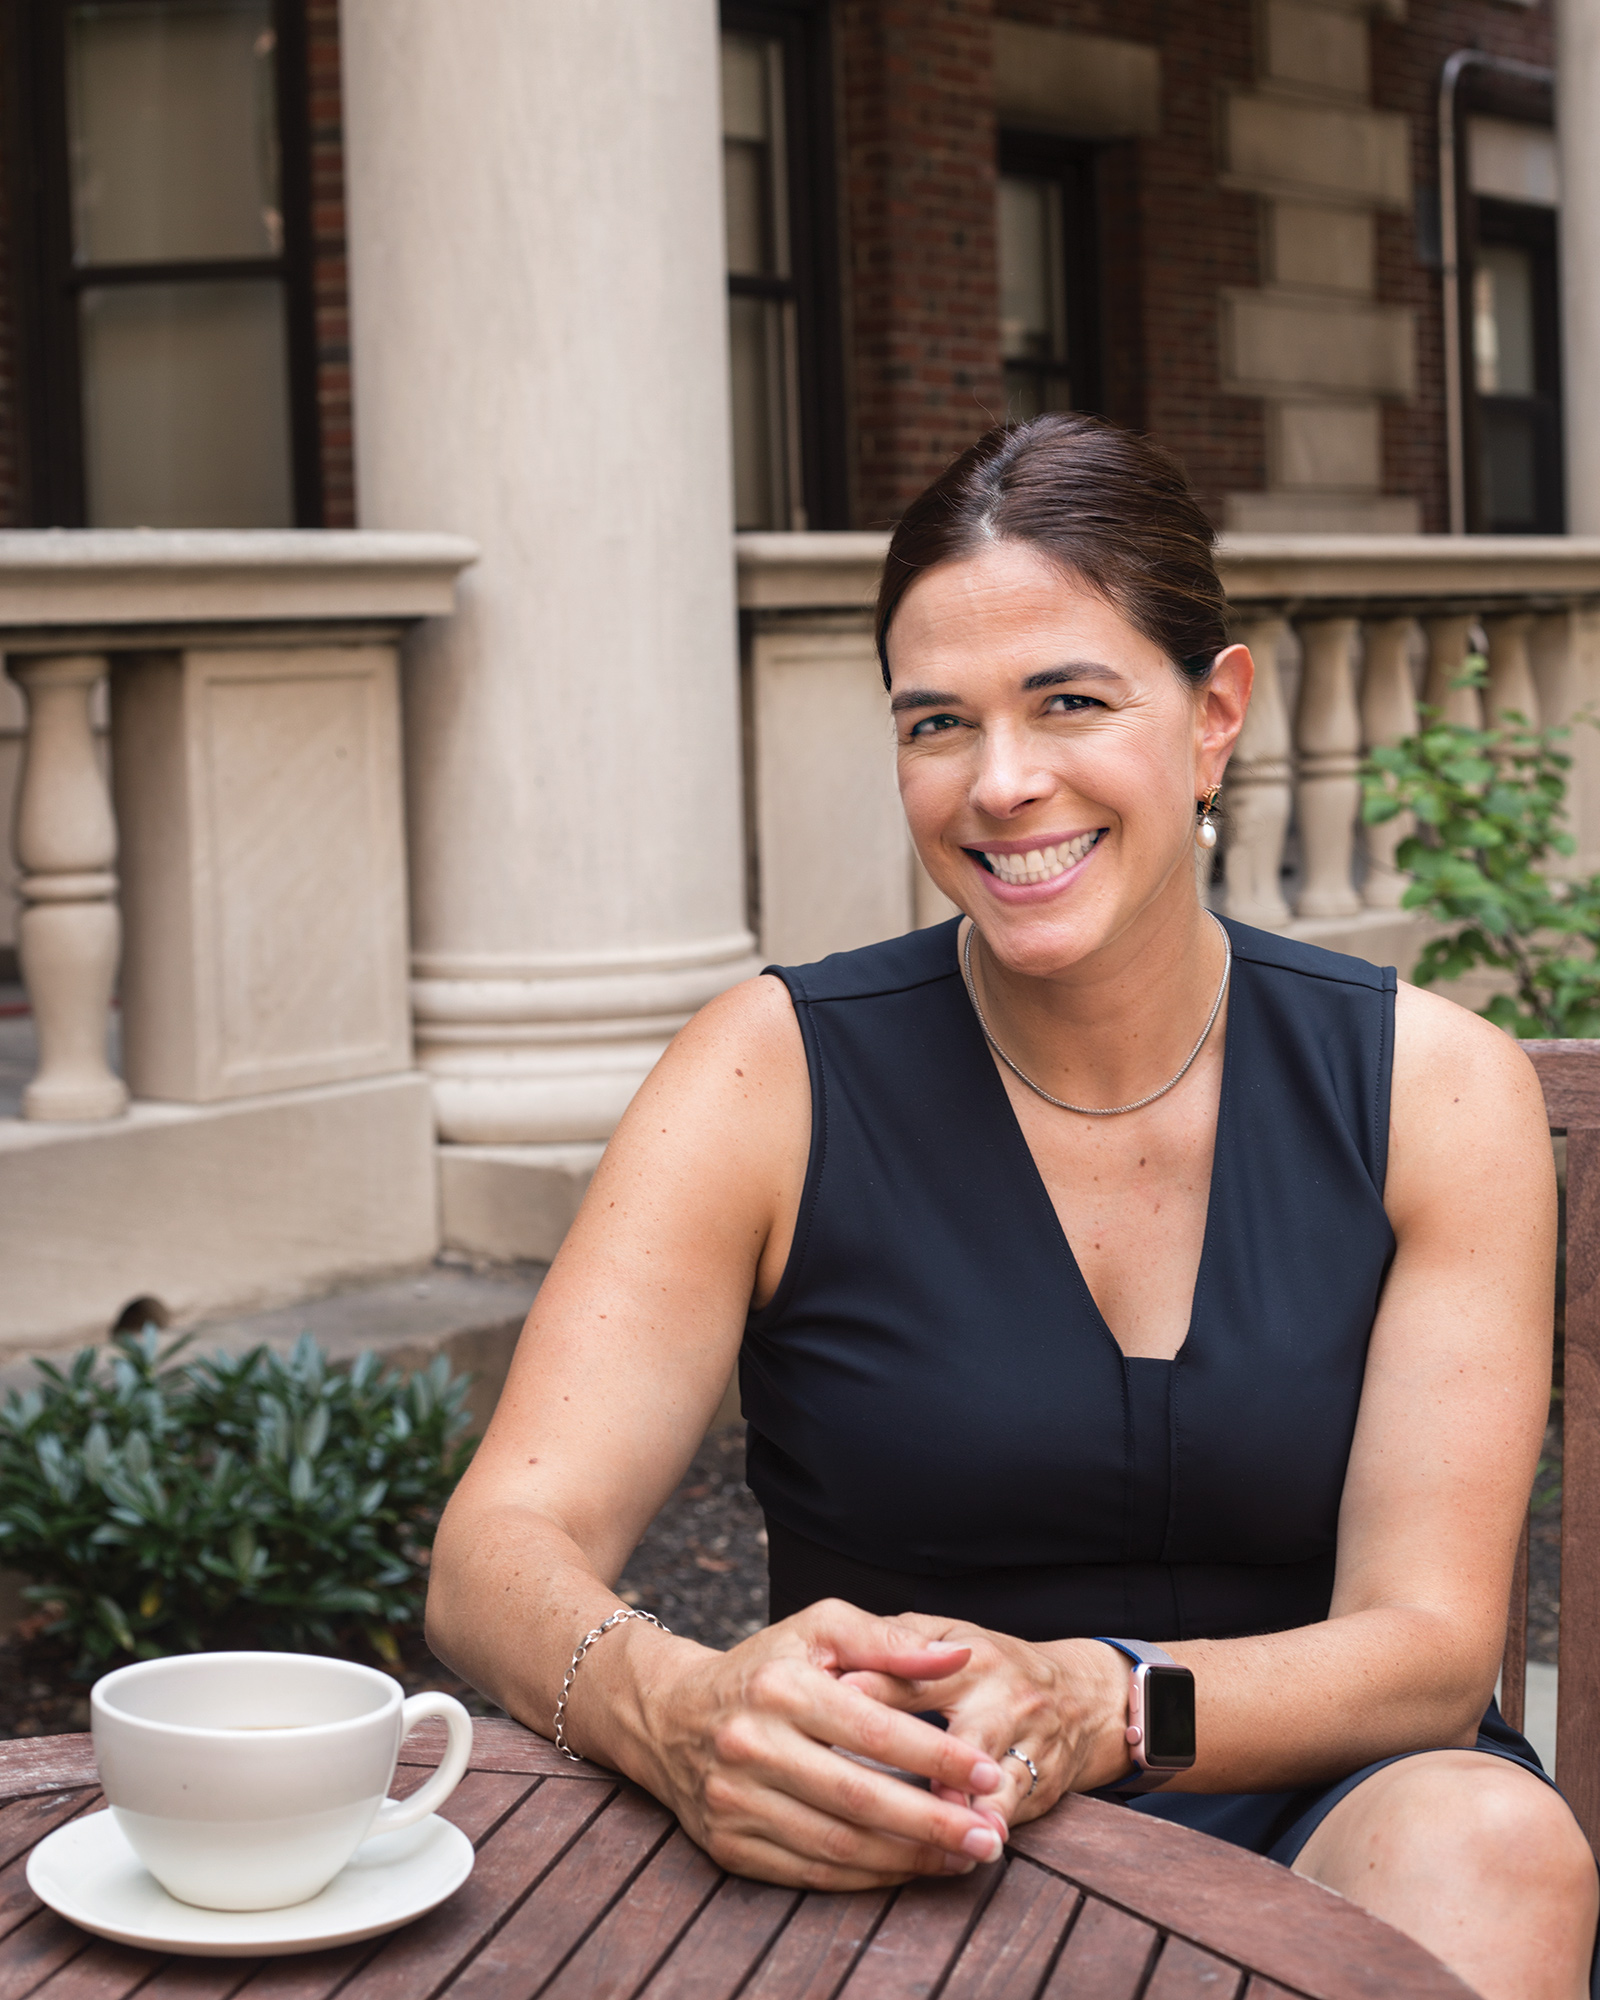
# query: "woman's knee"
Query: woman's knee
{"points": [[1482, 1823]]}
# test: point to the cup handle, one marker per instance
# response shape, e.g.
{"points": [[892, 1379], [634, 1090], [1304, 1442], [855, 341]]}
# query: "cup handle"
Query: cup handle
{"points": [[396, 1813]]}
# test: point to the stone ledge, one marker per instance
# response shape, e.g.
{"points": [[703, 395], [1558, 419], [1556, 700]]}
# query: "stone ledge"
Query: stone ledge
{"points": [[210, 1208]]}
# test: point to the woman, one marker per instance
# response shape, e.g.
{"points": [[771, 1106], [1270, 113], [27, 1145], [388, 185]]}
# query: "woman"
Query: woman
{"points": [[1094, 1270]]}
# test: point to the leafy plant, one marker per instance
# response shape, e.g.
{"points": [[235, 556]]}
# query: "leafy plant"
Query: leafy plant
{"points": [[1488, 808], [268, 1500]]}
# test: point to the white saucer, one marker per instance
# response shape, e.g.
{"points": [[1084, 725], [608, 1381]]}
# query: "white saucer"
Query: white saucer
{"points": [[87, 1873]]}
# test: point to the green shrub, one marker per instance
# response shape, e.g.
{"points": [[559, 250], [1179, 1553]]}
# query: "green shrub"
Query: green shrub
{"points": [[1489, 806], [269, 1500]]}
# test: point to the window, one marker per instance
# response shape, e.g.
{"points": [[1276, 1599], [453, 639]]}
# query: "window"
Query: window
{"points": [[167, 341], [783, 341], [1049, 287], [1515, 421], [1510, 311]]}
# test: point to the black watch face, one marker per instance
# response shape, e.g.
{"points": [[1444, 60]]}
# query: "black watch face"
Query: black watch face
{"points": [[1169, 1718]]}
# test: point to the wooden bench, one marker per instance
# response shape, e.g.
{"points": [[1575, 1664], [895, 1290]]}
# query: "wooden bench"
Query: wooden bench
{"points": [[1570, 1075]]}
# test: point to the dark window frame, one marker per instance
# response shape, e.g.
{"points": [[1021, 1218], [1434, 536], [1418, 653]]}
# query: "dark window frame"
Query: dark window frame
{"points": [[802, 28], [1074, 165], [46, 282], [1485, 220]]}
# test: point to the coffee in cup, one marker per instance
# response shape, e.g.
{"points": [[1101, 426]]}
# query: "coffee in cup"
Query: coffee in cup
{"points": [[245, 1781]]}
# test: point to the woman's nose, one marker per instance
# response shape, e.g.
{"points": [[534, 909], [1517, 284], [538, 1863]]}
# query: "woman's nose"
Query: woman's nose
{"points": [[1010, 774]]}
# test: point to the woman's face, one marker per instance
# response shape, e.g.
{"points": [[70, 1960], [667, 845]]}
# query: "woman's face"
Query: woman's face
{"points": [[1050, 755]]}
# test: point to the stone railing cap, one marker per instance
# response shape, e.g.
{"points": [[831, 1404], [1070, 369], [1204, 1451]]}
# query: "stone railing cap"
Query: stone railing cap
{"points": [[838, 569], [81, 577]]}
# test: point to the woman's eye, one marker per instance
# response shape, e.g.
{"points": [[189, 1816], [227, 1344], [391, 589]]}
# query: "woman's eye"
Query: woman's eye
{"points": [[932, 725], [1070, 704]]}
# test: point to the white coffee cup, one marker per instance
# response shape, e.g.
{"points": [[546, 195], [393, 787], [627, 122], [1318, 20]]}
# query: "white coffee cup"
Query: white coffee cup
{"points": [[245, 1781]]}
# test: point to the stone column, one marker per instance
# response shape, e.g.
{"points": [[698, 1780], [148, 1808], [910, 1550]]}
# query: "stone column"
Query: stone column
{"points": [[1578, 136], [539, 359]]}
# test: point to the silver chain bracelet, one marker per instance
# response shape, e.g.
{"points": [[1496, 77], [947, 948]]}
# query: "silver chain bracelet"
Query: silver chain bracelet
{"points": [[618, 1617]]}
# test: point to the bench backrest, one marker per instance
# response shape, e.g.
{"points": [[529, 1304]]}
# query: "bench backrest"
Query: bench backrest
{"points": [[1570, 1075]]}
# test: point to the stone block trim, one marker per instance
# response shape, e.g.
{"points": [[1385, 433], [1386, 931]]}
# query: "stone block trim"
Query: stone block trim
{"points": [[1323, 48], [1281, 343], [1081, 86], [1288, 145]]}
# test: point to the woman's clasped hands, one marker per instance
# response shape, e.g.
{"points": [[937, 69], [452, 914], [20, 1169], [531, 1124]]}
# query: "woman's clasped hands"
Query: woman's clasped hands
{"points": [[745, 1746]]}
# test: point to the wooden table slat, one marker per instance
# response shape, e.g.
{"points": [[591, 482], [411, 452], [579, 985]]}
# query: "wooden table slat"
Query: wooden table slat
{"points": [[724, 1943], [817, 1947], [1185, 1972], [289, 1978], [1105, 1957], [424, 1956], [568, 1901], [25, 1822], [499, 1745], [640, 1928], [18, 1904], [1015, 1941], [103, 1972], [200, 1978], [1233, 1903], [926, 1926], [37, 1949], [1265, 1989]]}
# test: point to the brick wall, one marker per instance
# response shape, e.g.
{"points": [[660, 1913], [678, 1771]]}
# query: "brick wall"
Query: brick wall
{"points": [[329, 287], [918, 199], [9, 468], [1406, 61], [918, 146]]}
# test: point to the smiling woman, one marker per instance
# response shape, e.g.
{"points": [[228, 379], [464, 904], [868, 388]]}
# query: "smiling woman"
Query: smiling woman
{"points": [[1092, 1267]]}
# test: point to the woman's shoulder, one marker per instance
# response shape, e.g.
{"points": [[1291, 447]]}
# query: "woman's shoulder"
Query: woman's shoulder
{"points": [[1275, 953], [896, 965]]}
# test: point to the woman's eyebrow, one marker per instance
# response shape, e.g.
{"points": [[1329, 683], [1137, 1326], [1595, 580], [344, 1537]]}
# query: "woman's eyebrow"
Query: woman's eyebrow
{"points": [[1073, 670], [1047, 677], [922, 698]]}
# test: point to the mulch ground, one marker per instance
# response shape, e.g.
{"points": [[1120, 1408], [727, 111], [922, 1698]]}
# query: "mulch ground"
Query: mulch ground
{"points": [[702, 1570]]}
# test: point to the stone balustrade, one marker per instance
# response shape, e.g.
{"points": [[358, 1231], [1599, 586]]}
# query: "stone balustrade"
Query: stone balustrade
{"points": [[238, 886], [1349, 633]]}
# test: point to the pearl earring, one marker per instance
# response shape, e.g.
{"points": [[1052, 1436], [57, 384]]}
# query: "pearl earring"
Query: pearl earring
{"points": [[1206, 833]]}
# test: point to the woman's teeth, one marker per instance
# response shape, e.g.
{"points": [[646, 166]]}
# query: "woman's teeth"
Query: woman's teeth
{"points": [[1039, 864]]}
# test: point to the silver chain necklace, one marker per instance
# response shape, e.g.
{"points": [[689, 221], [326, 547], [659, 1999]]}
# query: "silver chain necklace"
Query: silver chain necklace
{"points": [[1090, 1110]]}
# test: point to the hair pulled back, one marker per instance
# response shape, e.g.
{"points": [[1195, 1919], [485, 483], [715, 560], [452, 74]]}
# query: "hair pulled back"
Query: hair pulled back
{"points": [[1107, 507]]}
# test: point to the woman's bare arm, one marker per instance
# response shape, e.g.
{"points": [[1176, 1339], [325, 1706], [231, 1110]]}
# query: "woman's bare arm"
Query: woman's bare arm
{"points": [[621, 1366]]}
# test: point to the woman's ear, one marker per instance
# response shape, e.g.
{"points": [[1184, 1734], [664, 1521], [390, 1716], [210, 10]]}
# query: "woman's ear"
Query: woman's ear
{"points": [[1220, 710]]}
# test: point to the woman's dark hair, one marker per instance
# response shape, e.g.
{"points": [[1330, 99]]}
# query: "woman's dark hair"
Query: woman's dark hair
{"points": [[1104, 505]]}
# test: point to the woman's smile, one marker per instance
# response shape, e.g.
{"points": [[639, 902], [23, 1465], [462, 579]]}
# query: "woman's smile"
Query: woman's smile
{"points": [[1023, 870]]}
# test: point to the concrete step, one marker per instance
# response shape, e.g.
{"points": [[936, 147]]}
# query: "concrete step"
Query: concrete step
{"points": [[470, 1315]]}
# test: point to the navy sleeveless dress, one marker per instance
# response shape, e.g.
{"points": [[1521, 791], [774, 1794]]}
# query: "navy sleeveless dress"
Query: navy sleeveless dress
{"points": [[941, 1421]]}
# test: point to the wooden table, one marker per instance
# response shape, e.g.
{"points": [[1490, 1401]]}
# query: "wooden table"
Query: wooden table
{"points": [[585, 1889]]}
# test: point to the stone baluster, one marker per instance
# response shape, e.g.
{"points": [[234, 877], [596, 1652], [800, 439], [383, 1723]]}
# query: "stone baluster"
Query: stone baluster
{"points": [[1255, 814], [1328, 742], [1511, 689], [1449, 643], [1565, 659], [69, 934], [1388, 712]]}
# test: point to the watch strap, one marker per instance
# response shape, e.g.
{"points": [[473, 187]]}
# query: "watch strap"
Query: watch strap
{"points": [[1142, 1654], [1140, 1651]]}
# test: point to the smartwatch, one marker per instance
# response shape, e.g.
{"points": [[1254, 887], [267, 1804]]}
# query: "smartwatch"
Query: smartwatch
{"points": [[1160, 1716]]}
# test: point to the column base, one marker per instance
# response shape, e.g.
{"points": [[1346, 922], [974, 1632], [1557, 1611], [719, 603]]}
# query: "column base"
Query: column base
{"points": [[511, 1204], [550, 1053]]}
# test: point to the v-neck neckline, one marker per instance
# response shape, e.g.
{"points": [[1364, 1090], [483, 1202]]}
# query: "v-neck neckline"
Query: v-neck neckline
{"points": [[1014, 1125]]}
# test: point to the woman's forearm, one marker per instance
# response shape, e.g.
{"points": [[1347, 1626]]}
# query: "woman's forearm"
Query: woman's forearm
{"points": [[1300, 1707]]}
